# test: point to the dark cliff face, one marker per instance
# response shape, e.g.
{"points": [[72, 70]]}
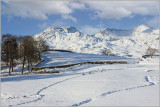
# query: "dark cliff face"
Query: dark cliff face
{"points": [[71, 29], [117, 32]]}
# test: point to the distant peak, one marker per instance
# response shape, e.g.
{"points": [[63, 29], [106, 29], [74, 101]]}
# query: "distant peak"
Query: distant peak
{"points": [[70, 29], [141, 28], [48, 29]]}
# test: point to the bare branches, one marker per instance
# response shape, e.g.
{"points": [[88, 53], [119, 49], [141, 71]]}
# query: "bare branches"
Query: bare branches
{"points": [[22, 49], [106, 52], [28, 52], [10, 50], [41, 46], [151, 51]]}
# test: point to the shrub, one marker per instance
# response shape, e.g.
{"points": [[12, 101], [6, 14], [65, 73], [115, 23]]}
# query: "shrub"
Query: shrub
{"points": [[108, 52], [151, 51]]}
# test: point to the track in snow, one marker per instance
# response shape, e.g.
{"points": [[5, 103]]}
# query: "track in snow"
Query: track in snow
{"points": [[147, 78], [39, 95]]}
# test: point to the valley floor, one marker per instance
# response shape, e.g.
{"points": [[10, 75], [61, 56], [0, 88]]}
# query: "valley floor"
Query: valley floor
{"points": [[85, 85]]}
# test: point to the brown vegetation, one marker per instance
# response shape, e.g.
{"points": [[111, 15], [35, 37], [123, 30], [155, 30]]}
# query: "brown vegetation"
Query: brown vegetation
{"points": [[70, 65], [21, 49]]}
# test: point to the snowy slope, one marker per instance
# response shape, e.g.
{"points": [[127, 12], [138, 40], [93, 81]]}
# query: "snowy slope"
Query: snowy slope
{"points": [[101, 85], [56, 58], [132, 84], [64, 58], [133, 42]]}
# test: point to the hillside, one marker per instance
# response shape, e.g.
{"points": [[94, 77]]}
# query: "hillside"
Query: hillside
{"points": [[133, 42]]}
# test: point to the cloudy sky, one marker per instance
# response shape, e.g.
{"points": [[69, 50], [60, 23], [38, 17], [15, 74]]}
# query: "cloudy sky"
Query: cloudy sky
{"points": [[32, 17]]}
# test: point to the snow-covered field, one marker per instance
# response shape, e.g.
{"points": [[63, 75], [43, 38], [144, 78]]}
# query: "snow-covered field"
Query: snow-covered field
{"points": [[85, 85], [54, 58]]}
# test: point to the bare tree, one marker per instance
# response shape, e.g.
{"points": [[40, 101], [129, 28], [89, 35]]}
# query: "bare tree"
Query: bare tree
{"points": [[4, 49], [151, 51], [10, 50], [41, 46], [28, 52], [106, 52]]}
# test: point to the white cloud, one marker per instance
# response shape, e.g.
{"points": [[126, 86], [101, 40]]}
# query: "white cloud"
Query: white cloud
{"points": [[69, 17], [77, 5], [40, 9], [87, 29], [101, 9], [57, 23], [121, 9]]}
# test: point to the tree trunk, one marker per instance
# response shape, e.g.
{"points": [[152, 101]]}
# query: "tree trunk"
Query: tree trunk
{"points": [[28, 65], [31, 67], [151, 55], [39, 55], [7, 63], [10, 68], [12, 65], [23, 64]]}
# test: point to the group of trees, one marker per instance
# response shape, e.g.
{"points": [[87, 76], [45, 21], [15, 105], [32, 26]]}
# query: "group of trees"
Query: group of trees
{"points": [[10, 50], [25, 50], [149, 52]]}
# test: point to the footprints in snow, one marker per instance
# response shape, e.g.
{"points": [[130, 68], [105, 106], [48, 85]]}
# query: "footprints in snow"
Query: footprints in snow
{"points": [[38, 96], [147, 78]]}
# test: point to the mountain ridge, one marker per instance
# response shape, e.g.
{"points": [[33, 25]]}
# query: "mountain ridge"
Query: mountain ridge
{"points": [[133, 42]]}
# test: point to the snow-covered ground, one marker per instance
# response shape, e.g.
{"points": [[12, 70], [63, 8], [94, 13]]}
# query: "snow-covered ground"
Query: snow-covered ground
{"points": [[54, 58], [85, 85]]}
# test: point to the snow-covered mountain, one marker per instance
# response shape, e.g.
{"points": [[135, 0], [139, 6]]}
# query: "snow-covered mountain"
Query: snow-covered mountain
{"points": [[133, 42], [141, 28]]}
